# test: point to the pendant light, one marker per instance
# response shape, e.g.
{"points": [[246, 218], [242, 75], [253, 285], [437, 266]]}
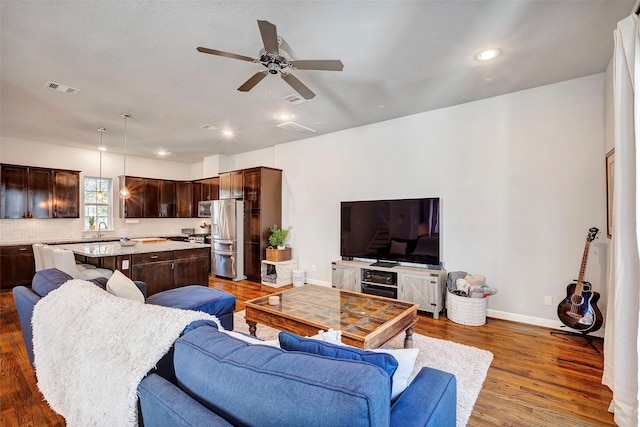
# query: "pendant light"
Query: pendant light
{"points": [[124, 191], [100, 194]]}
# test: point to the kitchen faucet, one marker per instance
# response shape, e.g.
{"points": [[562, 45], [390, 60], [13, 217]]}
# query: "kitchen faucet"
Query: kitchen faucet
{"points": [[99, 225]]}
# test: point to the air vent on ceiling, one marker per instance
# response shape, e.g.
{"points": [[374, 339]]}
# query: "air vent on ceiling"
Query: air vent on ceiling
{"points": [[295, 128], [294, 99], [62, 88]]}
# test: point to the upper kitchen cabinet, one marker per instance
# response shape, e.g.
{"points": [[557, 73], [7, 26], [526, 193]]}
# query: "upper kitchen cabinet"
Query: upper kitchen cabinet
{"points": [[167, 199], [210, 188], [33, 192], [66, 191], [203, 190], [151, 207], [183, 199], [133, 207], [231, 185], [158, 198]]}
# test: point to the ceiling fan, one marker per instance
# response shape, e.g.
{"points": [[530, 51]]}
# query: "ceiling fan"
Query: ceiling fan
{"points": [[276, 60]]}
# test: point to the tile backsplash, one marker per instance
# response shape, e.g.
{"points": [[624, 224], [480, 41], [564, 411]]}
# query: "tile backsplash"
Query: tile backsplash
{"points": [[63, 230]]}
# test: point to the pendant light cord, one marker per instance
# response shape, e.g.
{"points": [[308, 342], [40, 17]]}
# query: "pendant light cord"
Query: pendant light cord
{"points": [[124, 156]]}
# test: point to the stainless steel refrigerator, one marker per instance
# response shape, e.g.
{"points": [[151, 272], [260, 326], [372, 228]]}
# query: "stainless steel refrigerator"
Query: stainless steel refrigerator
{"points": [[227, 232]]}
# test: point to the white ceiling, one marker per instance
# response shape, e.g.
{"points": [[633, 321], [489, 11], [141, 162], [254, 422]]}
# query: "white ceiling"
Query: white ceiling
{"points": [[141, 58]]}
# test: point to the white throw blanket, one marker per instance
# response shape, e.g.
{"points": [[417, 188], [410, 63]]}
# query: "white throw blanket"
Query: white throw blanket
{"points": [[91, 350]]}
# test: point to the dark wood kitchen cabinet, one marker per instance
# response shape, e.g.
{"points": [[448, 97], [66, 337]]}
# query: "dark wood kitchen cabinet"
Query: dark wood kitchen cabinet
{"points": [[34, 192], [232, 185], [133, 207], [151, 207], [66, 192], [203, 190], [155, 269], [167, 199], [262, 209], [171, 269], [192, 267], [17, 265], [183, 199]]}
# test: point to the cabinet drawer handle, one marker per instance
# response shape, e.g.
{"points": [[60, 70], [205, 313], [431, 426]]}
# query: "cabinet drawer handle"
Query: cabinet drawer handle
{"points": [[154, 257], [22, 249]]}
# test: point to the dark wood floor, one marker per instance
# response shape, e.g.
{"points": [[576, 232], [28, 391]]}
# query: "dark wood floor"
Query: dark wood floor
{"points": [[536, 379]]}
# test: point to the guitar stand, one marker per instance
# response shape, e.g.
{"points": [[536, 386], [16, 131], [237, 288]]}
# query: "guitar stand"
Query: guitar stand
{"points": [[588, 338]]}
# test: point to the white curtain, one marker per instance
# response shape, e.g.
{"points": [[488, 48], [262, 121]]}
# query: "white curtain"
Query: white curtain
{"points": [[622, 333]]}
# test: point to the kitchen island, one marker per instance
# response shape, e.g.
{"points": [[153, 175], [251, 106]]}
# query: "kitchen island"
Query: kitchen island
{"points": [[161, 264]]}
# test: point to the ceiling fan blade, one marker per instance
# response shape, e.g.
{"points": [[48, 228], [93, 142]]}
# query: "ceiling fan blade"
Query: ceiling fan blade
{"points": [[327, 65], [298, 86], [269, 37], [225, 54], [254, 80]]}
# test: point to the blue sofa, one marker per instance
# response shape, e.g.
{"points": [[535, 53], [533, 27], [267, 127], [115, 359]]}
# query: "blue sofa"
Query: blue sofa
{"points": [[219, 380], [210, 378], [213, 301]]}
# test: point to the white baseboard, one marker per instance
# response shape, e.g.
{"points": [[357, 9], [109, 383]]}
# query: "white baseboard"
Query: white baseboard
{"points": [[537, 321], [318, 282]]}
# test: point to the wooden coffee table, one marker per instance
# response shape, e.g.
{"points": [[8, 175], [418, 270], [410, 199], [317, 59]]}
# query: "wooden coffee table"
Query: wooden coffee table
{"points": [[366, 321]]}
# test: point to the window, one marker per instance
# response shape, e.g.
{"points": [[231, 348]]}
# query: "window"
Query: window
{"points": [[95, 206]]}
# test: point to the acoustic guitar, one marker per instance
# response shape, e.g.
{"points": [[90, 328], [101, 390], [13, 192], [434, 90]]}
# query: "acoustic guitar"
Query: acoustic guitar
{"points": [[579, 310]]}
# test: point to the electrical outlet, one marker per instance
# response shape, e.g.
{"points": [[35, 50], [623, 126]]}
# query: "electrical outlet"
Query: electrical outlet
{"points": [[548, 300], [313, 267]]}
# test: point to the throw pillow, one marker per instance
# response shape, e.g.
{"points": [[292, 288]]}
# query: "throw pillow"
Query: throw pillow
{"points": [[406, 358], [292, 342], [121, 286], [250, 339]]}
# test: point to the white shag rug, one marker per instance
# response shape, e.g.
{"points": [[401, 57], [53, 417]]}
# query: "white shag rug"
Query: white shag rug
{"points": [[468, 364], [91, 349]]}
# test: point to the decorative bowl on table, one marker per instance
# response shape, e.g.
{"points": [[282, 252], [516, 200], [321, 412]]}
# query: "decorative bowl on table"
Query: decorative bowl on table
{"points": [[125, 241]]}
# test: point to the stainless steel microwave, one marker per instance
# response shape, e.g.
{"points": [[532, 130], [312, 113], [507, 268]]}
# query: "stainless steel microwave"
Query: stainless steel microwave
{"points": [[204, 209]]}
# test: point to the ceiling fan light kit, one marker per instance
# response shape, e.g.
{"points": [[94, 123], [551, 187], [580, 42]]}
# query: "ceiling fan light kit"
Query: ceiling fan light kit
{"points": [[276, 61]]}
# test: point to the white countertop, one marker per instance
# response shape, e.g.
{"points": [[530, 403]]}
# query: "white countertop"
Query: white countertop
{"points": [[105, 249]]}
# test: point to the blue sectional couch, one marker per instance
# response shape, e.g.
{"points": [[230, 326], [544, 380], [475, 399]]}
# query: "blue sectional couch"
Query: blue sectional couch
{"points": [[219, 380], [211, 378]]}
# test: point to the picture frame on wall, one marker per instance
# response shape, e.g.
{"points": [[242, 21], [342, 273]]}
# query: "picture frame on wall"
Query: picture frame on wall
{"points": [[609, 164]]}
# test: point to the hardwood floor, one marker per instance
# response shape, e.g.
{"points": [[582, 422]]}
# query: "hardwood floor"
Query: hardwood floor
{"points": [[535, 379]]}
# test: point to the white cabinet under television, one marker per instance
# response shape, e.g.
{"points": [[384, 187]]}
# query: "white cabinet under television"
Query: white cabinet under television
{"points": [[422, 286], [425, 290], [345, 277]]}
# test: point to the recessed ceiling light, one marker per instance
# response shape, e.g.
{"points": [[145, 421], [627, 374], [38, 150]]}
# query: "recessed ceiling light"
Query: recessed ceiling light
{"points": [[284, 116], [103, 148], [162, 153], [487, 54], [227, 133]]}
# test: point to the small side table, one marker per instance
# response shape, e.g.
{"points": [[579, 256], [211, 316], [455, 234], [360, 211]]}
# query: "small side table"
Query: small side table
{"points": [[278, 273]]}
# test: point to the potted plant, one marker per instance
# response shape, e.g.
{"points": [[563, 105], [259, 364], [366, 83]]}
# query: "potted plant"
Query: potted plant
{"points": [[277, 251], [92, 222], [278, 236]]}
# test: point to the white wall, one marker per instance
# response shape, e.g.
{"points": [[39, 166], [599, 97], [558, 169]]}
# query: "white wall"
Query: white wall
{"points": [[520, 176], [30, 153]]}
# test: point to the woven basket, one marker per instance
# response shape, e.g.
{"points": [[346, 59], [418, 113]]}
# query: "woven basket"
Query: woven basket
{"points": [[466, 311], [277, 255]]}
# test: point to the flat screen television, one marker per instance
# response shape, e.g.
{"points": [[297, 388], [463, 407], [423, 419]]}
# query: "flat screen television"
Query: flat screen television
{"points": [[391, 231]]}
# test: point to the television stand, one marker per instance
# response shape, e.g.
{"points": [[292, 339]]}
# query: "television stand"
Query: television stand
{"points": [[385, 264], [422, 286]]}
